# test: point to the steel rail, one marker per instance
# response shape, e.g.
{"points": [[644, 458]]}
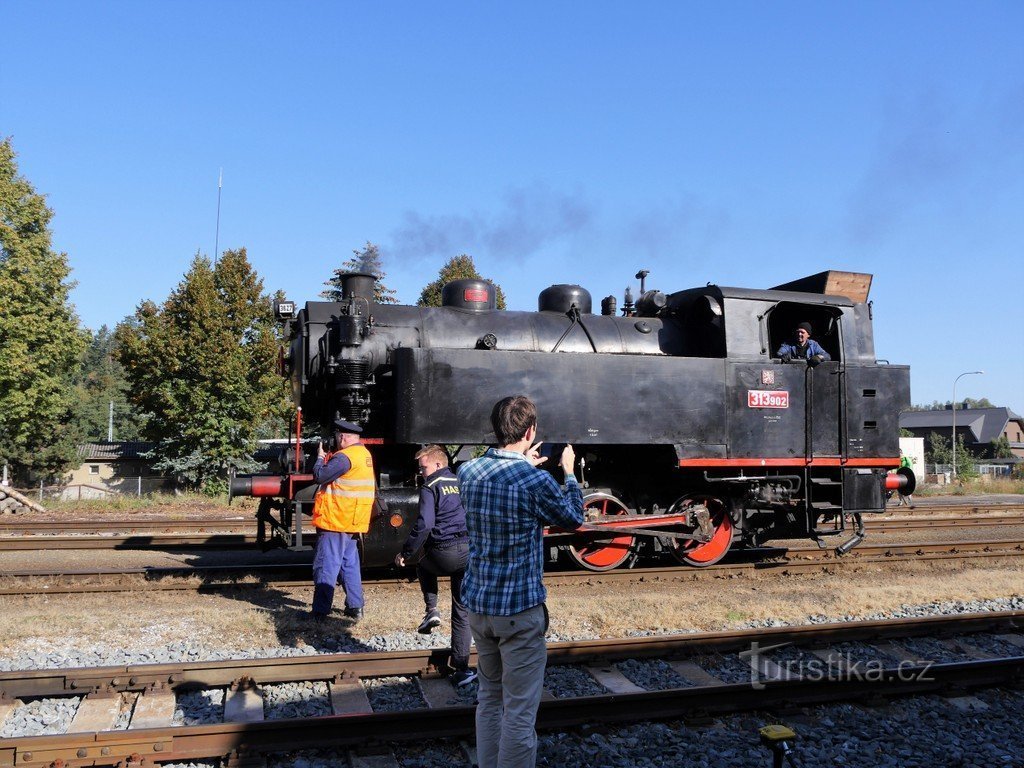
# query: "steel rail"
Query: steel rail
{"points": [[925, 523], [30, 527], [46, 528], [239, 741], [214, 531], [788, 561], [35, 683]]}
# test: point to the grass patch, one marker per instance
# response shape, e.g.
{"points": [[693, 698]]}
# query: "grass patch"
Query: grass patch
{"points": [[974, 486], [155, 502]]}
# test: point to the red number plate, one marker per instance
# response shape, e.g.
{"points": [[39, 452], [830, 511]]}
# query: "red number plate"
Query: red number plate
{"points": [[766, 398], [475, 294]]}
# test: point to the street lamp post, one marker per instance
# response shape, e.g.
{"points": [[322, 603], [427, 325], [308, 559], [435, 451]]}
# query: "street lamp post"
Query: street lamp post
{"points": [[965, 373]]}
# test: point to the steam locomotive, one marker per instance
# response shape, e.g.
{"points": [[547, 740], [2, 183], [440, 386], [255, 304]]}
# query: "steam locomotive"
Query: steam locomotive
{"points": [[692, 438]]}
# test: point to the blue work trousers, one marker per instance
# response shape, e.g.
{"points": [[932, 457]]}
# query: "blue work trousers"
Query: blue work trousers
{"points": [[336, 553]]}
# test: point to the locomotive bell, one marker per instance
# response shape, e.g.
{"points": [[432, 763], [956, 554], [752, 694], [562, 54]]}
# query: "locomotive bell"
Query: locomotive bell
{"points": [[561, 298]]}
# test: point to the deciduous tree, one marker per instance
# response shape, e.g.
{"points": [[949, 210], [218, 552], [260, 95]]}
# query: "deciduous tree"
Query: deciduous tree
{"points": [[941, 452], [1001, 448], [457, 268], [366, 260], [40, 344]]}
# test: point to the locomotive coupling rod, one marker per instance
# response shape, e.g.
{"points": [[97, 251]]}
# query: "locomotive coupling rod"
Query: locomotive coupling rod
{"points": [[598, 529]]}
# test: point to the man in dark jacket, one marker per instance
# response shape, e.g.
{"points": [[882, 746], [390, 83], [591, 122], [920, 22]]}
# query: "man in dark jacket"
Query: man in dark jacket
{"points": [[805, 348], [440, 530]]}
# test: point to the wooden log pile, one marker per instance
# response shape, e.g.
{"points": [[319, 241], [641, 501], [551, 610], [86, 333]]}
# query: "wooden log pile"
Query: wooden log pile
{"points": [[12, 502]]}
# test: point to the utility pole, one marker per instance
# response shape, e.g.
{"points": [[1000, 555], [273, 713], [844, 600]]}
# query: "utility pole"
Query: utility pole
{"points": [[110, 423]]}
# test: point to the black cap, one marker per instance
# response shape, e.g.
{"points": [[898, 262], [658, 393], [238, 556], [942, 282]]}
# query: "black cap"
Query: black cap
{"points": [[806, 327], [347, 426]]}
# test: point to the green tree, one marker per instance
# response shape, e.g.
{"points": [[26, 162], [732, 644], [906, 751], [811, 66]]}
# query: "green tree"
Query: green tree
{"points": [[366, 260], [457, 268], [202, 367], [1001, 448], [101, 382], [40, 344], [940, 452], [967, 402]]}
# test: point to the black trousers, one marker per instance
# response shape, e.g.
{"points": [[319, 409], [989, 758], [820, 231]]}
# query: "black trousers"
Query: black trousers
{"points": [[448, 560]]}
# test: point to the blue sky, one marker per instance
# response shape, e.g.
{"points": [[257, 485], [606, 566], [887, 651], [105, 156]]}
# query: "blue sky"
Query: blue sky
{"points": [[744, 144]]}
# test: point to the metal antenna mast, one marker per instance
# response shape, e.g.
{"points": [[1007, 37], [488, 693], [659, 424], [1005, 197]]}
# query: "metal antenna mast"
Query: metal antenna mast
{"points": [[216, 242]]}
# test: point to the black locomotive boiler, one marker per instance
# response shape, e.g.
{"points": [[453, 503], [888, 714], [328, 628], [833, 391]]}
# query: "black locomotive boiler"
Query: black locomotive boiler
{"points": [[692, 437]]}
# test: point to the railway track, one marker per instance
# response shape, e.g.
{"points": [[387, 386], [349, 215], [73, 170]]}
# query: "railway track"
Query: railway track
{"points": [[125, 715], [219, 533], [787, 561]]}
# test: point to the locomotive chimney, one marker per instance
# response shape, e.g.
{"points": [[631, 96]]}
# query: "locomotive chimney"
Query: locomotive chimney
{"points": [[357, 285]]}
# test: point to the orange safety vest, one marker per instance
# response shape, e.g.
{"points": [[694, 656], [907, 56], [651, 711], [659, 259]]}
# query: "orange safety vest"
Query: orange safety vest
{"points": [[344, 505]]}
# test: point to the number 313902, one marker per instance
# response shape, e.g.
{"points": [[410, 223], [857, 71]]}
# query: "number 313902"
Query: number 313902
{"points": [[762, 398]]}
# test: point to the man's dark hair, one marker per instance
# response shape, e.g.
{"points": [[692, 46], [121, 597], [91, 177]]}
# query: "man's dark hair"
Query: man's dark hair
{"points": [[511, 417]]}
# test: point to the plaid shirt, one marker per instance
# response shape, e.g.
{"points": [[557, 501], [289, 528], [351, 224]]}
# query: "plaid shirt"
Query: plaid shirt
{"points": [[508, 502]]}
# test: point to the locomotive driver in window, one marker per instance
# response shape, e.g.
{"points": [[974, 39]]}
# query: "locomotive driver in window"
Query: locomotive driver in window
{"points": [[341, 510], [805, 348]]}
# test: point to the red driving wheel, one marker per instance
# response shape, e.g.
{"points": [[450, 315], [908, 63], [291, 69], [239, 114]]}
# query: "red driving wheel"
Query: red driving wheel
{"points": [[700, 554], [606, 553]]}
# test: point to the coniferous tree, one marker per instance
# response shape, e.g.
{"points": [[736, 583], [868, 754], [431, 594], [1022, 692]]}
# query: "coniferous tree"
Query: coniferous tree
{"points": [[366, 260], [202, 367], [40, 344], [101, 382], [457, 268]]}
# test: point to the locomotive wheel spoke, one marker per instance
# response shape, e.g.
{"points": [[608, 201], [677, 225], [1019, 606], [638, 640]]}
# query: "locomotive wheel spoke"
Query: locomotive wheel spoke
{"points": [[699, 553], [605, 553]]}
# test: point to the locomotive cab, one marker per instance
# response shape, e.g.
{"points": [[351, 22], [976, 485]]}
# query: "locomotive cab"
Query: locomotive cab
{"points": [[825, 323]]}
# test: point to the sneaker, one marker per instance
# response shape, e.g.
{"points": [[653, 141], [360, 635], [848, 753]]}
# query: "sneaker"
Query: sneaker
{"points": [[430, 620], [354, 613], [463, 677]]}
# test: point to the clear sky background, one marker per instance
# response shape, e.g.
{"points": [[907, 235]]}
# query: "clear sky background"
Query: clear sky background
{"points": [[744, 144]]}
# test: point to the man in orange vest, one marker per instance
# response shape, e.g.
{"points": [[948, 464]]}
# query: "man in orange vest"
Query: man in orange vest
{"points": [[341, 509]]}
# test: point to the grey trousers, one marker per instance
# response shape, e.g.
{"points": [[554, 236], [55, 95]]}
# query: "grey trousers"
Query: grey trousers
{"points": [[511, 656]]}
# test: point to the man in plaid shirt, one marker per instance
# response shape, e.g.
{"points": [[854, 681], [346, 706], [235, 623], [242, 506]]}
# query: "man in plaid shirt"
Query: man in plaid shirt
{"points": [[508, 502]]}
